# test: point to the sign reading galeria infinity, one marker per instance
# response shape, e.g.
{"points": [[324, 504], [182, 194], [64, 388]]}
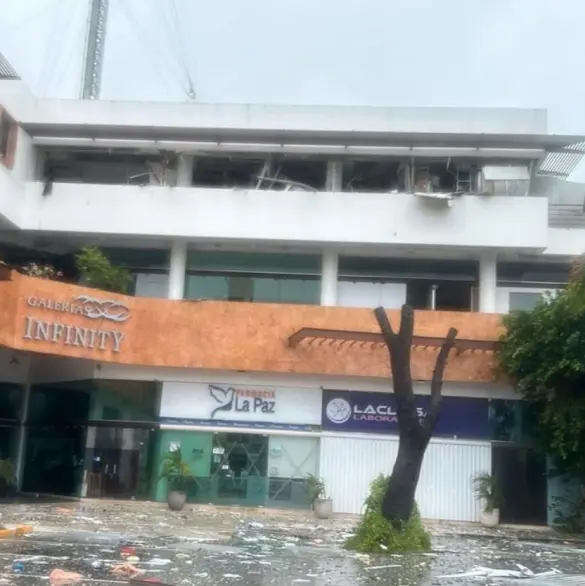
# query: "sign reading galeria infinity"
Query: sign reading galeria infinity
{"points": [[240, 405], [464, 417], [56, 329]]}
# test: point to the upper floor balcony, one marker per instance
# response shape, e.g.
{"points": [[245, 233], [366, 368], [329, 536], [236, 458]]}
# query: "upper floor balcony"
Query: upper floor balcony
{"points": [[431, 200], [295, 217]]}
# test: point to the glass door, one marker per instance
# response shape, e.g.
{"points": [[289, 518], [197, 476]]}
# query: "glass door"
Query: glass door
{"points": [[238, 470], [117, 462]]}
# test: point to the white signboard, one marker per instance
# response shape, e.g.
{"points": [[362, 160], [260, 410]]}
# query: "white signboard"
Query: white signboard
{"points": [[241, 403]]}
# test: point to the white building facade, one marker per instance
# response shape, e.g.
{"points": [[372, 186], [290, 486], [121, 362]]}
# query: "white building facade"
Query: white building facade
{"points": [[441, 208]]}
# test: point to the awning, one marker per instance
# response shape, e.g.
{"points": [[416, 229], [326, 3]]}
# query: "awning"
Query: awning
{"points": [[319, 336]]}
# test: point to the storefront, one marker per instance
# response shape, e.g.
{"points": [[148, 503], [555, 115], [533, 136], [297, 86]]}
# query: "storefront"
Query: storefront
{"points": [[248, 445], [359, 441]]}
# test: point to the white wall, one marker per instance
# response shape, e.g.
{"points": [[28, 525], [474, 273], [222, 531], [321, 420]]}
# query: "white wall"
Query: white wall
{"points": [[349, 462], [323, 218], [342, 383], [369, 294], [565, 242]]}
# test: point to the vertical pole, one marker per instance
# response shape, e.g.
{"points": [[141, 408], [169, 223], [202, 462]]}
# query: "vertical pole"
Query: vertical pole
{"points": [[21, 449], [91, 82], [487, 283], [329, 272], [178, 269]]}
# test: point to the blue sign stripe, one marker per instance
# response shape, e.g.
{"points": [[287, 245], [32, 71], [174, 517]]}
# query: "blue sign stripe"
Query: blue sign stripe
{"points": [[462, 417], [238, 424]]}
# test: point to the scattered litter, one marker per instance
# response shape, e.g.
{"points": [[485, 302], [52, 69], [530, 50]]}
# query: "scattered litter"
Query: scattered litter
{"points": [[234, 576], [382, 567], [481, 572], [125, 571], [133, 559], [159, 562], [18, 567], [256, 525], [127, 551], [59, 577]]}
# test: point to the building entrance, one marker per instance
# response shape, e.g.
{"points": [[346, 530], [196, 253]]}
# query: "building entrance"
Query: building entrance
{"points": [[238, 468]]}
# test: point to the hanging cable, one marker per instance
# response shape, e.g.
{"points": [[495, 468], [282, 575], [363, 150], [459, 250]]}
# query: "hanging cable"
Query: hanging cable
{"points": [[68, 58], [161, 68], [55, 37], [181, 50]]}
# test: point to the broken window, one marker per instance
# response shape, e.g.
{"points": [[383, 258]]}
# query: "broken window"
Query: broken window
{"points": [[512, 180], [107, 168], [227, 172], [293, 174], [444, 177], [375, 176]]}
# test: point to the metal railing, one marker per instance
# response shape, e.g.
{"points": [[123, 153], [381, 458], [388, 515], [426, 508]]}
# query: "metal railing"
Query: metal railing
{"points": [[566, 215]]}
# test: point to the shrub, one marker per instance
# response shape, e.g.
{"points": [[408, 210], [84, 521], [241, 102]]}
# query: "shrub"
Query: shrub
{"points": [[374, 534], [97, 271]]}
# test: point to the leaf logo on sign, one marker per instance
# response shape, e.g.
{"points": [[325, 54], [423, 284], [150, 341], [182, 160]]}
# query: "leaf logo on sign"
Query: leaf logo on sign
{"points": [[225, 398]]}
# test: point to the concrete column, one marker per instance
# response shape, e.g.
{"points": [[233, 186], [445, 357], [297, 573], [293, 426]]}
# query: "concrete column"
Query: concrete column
{"points": [[21, 448], [334, 176], [177, 269], [329, 271], [487, 283], [185, 170]]}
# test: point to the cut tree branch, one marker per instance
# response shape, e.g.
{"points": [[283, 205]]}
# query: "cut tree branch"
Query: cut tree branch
{"points": [[385, 325], [437, 380]]}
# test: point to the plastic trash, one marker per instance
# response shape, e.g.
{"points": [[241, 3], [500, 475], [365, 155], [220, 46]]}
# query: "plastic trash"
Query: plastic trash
{"points": [[59, 577], [18, 567]]}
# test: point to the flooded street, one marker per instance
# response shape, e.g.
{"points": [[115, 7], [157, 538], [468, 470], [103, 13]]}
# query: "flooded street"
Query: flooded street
{"points": [[206, 545]]}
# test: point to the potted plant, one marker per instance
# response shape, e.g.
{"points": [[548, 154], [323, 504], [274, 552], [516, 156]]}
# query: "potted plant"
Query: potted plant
{"points": [[487, 491], [7, 483], [320, 503], [178, 476]]}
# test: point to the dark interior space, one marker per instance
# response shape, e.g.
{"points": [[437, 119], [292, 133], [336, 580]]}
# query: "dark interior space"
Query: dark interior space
{"points": [[375, 176], [521, 473]]}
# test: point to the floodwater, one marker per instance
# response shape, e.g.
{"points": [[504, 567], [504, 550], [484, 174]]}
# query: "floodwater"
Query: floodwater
{"points": [[261, 551]]}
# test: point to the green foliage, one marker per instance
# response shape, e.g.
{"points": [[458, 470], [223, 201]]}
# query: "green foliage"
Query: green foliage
{"points": [[487, 490], [97, 271], [316, 488], [569, 511], [176, 471], [543, 353], [374, 534]]}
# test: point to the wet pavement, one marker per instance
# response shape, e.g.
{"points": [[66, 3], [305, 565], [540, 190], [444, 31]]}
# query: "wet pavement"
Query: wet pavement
{"points": [[208, 545]]}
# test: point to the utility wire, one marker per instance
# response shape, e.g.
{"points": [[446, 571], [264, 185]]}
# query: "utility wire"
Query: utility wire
{"points": [[78, 40], [51, 54], [181, 52], [146, 43]]}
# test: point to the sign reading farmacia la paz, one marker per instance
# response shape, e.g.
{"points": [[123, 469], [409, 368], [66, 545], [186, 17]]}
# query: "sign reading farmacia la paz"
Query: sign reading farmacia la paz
{"points": [[57, 331]]}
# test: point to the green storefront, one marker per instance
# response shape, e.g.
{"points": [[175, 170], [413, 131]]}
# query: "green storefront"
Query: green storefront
{"points": [[246, 444], [106, 439]]}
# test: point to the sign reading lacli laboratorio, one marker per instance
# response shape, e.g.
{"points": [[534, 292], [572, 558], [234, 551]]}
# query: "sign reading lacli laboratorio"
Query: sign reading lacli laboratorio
{"points": [[219, 402], [56, 330], [464, 417]]}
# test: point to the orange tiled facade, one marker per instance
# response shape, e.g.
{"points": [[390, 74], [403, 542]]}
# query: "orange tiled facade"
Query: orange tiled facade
{"points": [[49, 317]]}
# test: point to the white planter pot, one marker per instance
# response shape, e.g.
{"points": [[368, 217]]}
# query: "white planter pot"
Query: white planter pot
{"points": [[323, 508], [491, 518]]}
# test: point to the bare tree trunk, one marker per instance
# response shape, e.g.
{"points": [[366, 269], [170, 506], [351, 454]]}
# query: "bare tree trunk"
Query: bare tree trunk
{"points": [[414, 433]]}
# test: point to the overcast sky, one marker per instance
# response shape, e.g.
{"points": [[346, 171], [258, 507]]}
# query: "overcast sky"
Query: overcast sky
{"points": [[359, 52]]}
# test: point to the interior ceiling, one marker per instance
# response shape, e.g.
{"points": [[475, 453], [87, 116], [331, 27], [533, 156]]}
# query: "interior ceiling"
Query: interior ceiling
{"points": [[251, 136], [70, 243]]}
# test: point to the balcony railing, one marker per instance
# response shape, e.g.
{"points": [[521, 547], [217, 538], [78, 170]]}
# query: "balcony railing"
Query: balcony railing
{"points": [[566, 215]]}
